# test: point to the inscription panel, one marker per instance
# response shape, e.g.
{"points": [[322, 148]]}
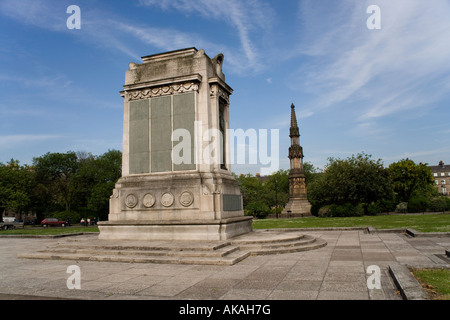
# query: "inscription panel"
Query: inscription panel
{"points": [[232, 202], [139, 136], [184, 118], [161, 132]]}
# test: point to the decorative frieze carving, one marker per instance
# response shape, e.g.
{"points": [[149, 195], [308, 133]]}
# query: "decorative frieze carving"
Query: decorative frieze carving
{"points": [[217, 91], [149, 200], [295, 151], [186, 198], [167, 199], [131, 200], [146, 93]]}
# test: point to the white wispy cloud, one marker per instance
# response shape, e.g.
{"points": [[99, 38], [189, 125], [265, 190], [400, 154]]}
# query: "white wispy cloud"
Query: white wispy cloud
{"points": [[167, 39], [37, 13], [427, 154], [395, 69], [56, 87], [7, 141], [97, 24], [102, 28], [164, 39], [245, 16], [43, 82]]}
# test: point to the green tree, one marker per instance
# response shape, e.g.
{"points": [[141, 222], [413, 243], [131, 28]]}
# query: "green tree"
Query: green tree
{"points": [[100, 176], [418, 203], [16, 184], [356, 180], [438, 204], [257, 209], [251, 188], [340, 210], [268, 192], [55, 173], [275, 192], [62, 184], [408, 177], [310, 172]]}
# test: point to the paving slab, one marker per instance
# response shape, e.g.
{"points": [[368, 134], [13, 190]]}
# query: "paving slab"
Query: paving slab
{"points": [[334, 272]]}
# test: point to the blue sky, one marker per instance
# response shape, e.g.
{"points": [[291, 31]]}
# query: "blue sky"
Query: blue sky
{"points": [[384, 92]]}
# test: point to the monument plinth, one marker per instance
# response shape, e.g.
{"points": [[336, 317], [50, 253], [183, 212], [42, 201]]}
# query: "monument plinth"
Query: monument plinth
{"points": [[298, 203], [176, 181]]}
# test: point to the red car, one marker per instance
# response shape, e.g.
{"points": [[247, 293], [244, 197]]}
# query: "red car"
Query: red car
{"points": [[53, 222]]}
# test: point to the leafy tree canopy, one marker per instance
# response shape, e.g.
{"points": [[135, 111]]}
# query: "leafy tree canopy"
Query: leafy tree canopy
{"points": [[408, 177]]}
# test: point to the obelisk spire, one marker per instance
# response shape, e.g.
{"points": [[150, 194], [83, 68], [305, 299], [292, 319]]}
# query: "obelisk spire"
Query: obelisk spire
{"points": [[293, 131], [295, 150]]}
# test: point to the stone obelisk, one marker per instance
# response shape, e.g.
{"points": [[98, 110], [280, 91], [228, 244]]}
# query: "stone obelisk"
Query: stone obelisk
{"points": [[176, 180], [298, 204]]}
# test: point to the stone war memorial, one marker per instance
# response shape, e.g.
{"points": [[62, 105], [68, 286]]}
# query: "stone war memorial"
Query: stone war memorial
{"points": [[177, 200], [176, 183]]}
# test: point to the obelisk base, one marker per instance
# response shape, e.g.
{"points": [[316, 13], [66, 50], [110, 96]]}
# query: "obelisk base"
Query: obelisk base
{"points": [[297, 208]]}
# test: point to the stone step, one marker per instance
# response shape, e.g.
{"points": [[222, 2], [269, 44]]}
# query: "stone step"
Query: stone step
{"points": [[314, 244], [305, 240], [271, 238], [228, 252], [162, 246], [264, 247], [230, 259], [93, 250]]}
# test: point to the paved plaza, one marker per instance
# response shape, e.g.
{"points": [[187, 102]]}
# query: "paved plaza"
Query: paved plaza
{"points": [[334, 272]]}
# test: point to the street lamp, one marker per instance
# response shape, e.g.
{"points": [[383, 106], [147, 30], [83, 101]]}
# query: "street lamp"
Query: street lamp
{"points": [[276, 197]]}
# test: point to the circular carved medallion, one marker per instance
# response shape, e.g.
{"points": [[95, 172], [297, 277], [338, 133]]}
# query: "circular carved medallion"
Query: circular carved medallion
{"points": [[167, 199], [149, 200], [186, 198], [131, 200]]}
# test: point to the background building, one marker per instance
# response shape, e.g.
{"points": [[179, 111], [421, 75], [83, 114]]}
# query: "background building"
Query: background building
{"points": [[441, 174]]}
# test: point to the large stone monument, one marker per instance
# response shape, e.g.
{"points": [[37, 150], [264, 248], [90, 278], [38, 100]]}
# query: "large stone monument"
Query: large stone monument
{"points": [[176, 181], [177, 198], [298, 203]]}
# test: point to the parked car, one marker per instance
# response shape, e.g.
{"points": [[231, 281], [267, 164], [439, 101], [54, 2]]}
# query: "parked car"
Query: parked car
{"points": [[53, 222], [10, 223]]}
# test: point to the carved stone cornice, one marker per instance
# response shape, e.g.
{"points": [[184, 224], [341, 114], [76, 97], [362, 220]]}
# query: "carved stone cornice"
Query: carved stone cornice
{"points": [[146, 93], [295, 151], [296, 173], [217, 91]]}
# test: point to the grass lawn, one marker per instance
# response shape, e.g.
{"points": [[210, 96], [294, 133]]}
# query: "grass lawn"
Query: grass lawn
{"points": [[420, 222], [435, 281], [32, 230], [424, 223]]}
